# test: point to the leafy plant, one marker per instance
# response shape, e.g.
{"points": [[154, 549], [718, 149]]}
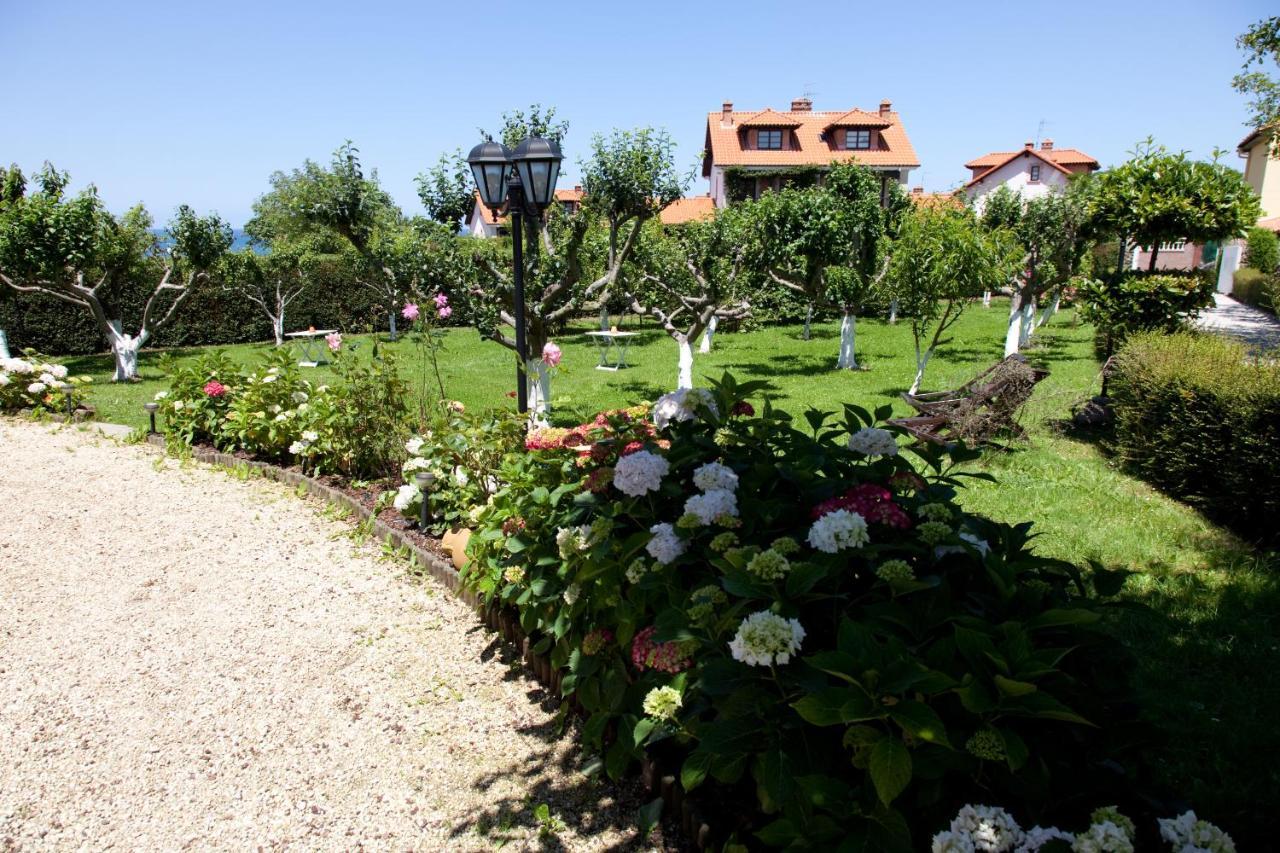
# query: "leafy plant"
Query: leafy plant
{"points": [[1263, 250], [1143, 302]]}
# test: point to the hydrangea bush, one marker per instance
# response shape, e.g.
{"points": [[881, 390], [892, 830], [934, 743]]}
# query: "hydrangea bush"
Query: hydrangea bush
{"points": [[804, 619], [32, 383]]}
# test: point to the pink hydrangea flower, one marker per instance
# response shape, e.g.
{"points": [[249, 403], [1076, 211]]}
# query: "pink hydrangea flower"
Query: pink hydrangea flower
{"points": [[551, 354], [872, 502], [410, 311], [441, 300], [443, 313], [666, 657], [334, 341], [214, 388]]}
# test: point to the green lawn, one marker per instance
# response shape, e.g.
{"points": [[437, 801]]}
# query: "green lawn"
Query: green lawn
{"points": [[1205, 633]]}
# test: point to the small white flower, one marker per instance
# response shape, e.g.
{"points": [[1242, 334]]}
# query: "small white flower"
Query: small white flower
{"points": [[718, 503], [765, 638], [161, 395], [713, 476], [310, 435], [282, 417], [838, 530], [992, 829], [406, 496], [269, 378], [59, 371], [665, 546], [640, 473], [298, 448], [952, 842], [460, 475], [47, 378], [683, 405], [413, 446], [662, 703], [299, 396], [1103, 837], [36, 388], [571, 593], [417, 463], [177, 405], [873, 442]]}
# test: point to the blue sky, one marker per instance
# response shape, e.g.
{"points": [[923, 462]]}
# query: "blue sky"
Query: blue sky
{"points": [[200, 102]]}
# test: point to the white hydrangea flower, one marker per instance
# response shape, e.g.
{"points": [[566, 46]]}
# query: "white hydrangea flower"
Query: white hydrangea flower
{"points": [[417, 463], [983, 546], [282, 417], [47, 378], [873, 442], [572, 593], [269, 378], [160, 395], [640, 473], [298, 448], [665, 546], [992, 829], [4, 379], [714, 504], [1189, 834], [765, 638], [36, 388], [59, 371], [682, 405], [1038, 836], [713, 476], [310, 435], [406, 496], [838, 530], [662, 703], [299, 397], [1103, 837], [952, 842], [460, 476], [177, 405], [570, 540], [17, 365], [414, 446]]}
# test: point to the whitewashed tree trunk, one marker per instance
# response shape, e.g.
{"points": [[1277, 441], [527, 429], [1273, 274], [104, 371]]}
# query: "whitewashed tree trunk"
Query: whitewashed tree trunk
{"points": [[393, 325], [893, 312], [538, 383], [848, 337], [808, 321], [1051, 309], [277, 328], [1013, 336], [684, 373], [986, 299], [921, 363], [604, 318], [125, 349], [4, 345], [706, 336], [1028, 323]]}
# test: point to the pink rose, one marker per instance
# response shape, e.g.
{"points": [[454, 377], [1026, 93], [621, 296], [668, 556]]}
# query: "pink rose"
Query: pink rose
{"points": [[410, 312], [442, 301], [334, 341], [551, 354], [444, 312]]}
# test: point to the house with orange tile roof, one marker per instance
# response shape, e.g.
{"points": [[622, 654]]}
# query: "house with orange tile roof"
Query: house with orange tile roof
{"points": [[750, 152], [1262, 172], [482, 222], [1029, 172]]}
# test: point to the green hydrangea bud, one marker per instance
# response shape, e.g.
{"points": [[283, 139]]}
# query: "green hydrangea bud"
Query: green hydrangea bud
{"points": [[987, 745], [894, 572], [769, 565], [935, 512], [934, 532], [786, 545]]}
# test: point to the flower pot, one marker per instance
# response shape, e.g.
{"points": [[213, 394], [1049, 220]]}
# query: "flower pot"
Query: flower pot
{"points": [[455, 542]]}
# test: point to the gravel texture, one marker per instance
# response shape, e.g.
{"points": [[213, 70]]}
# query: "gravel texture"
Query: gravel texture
{"points": [[191, 660], [1256, 328]]}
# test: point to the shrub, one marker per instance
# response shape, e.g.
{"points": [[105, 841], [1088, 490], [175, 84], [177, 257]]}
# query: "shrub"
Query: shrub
{"points": [[797, 616], [191, 414], [1143, 302], [1262, 252], [1256, 288], [33, 383], [1197, 418]]}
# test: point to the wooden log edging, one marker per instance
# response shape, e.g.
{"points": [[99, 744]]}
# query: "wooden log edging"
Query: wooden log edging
{"points": [[677, 806]]}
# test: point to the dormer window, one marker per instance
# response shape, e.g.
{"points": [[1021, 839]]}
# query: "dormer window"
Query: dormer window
{"points": [[857, 139], [769, 140], [1035, 173]]}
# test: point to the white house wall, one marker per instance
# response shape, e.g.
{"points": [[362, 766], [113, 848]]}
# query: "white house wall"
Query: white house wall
{"points": [[1016, 175]]}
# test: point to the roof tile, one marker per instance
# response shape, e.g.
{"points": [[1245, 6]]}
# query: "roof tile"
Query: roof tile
{"points": [[724, 143]]}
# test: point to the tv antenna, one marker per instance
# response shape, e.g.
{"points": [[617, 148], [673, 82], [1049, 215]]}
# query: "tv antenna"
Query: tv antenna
{"points": [[1040, 130]]}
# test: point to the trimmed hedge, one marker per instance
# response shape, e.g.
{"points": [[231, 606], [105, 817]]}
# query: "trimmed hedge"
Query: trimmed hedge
{"points": [[1255, 288], [1200, 420]]}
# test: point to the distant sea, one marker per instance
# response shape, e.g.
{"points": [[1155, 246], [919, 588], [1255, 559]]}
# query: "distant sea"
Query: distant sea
{"points": [[239, 240]]}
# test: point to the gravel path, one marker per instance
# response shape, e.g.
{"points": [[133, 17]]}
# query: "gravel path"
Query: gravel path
{"points": [[214, 665], [1258, 329]]}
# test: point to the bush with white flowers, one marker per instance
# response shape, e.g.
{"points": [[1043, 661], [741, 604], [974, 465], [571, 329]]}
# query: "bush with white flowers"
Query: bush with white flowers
{"points": [[988, 829], [32, 383], [804, 612]]}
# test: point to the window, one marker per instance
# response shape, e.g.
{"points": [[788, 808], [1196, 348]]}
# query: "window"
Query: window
{"points": [[769, 140], [1175, 246], [1035, 173], [857, 139]]}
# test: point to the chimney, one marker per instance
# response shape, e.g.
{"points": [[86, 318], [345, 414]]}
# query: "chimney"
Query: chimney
{"points": [[917, 190], [577, 188], [726, 114], [802, 105], [885, 107], [1046, 145], [1029, 145]]}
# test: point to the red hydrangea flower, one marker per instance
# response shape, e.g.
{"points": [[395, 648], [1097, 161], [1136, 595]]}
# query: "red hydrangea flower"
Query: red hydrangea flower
{"points": [[907, 481], [869, 500], [214, 388], [595, 642], [742, 407], [598, 480], [665, 657], [513, 525]]}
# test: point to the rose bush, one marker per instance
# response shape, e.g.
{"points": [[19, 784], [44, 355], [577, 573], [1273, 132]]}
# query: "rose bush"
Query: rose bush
{"points": [[802, 618]]}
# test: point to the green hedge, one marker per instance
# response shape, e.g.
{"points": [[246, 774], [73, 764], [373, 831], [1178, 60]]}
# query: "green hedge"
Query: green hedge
{"points": [[1201, 421], [1256, 288]]}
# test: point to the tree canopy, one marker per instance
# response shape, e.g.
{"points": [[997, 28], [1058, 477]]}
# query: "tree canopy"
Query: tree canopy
{"points": [[1261, 46]]}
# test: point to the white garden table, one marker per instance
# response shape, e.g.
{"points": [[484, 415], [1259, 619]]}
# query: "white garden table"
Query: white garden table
{"points": [[612, 343], [307, 340]]}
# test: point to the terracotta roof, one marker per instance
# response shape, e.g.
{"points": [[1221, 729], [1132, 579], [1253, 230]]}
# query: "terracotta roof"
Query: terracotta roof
{"points": [[1272, 224], [859, 118], [947, 199], [1039, 155], [770, 118], [724, 143], [684, 210], [1057, 156], [575, 194]]}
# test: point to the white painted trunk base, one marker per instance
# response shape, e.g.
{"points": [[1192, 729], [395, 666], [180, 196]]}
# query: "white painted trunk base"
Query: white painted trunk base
{"points": [[4, 345], [393, 325], [848, 332], [538, 384], [986, 299], [893, 312], [277, 329], [1013, 335], [604, 319], [684, 374], [921, 364], [706, 336], [808, 321], [1050, 311], [1028, 323], [125, 349]]}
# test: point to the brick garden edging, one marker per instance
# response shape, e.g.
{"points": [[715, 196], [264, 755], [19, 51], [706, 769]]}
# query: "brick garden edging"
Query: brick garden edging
{"points": [[657, 780]]}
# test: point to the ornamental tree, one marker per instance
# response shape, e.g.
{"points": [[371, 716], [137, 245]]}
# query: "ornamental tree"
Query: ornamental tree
{"points": [[572, 262], [274, 280], [941, 261], [805, 233], [73, 249], [691, 275], [1157, 197]]}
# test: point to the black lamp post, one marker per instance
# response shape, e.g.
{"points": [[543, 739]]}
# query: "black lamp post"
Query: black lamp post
{"points": [[151, 412], [525, 181]]}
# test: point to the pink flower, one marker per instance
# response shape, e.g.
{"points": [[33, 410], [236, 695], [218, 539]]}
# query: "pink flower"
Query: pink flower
{"points": [[551, 354], [872, 502], [410, 312], [646, 654], [444, 312], [742, 407], [596, 641], [214, 388], [334, 341], [441, 300]]}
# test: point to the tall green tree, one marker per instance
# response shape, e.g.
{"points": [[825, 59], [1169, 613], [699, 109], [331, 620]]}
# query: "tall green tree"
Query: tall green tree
{"points": [[447, 191], [1261, 46], [941, 261], [73, 249]]}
